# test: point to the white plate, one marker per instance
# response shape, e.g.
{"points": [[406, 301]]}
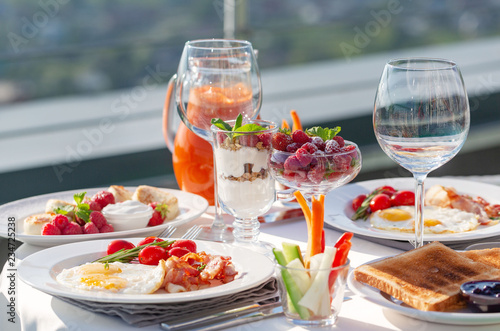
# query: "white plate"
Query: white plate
{"points": [[191, 207], [338, 210], [461, 317], [40, 270]]}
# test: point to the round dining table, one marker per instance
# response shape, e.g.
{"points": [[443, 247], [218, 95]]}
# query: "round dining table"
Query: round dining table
{"points": [[39, 311]]}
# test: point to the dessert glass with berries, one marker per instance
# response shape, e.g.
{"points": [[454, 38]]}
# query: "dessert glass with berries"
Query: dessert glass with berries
{"points": [[314, 161], [245, 188]]}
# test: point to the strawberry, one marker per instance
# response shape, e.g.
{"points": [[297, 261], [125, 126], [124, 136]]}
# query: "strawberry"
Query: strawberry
{"points": [[90, 228], [103, 198], [159, 213], [281, 140], [98, 219], [72, 228], [60, 221], [106, 228], [50, 229]]}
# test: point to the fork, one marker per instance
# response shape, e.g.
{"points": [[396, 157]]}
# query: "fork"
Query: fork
{"points": [[192, 233], [167, 233]]}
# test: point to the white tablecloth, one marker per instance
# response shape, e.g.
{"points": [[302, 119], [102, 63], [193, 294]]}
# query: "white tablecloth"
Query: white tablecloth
{"points": [[39, 311]]}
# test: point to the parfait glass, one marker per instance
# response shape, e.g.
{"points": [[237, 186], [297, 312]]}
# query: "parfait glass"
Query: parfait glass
{"points": [[245, 188], [216, 78], [319, 173], [421, 119]]}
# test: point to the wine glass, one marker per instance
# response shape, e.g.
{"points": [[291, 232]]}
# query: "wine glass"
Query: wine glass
{"points": [[319, 172], [421, 119], [216, 78], [245, 188]]}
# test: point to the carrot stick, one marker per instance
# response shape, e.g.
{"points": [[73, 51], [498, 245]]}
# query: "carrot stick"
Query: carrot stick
{"points": [[317, 219], [297, 125], [284, 124], [303, 205]]}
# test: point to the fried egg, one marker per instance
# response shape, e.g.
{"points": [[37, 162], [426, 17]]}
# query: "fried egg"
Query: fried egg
{"points": [[114, 277], [436, 220]]}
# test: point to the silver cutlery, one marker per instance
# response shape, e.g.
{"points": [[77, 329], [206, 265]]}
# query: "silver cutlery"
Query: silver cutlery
{"points": [[192, 233], [167, 232]]}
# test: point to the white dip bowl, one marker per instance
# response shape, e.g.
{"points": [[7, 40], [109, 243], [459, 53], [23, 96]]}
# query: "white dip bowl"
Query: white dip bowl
{"points": [[128, 215]]}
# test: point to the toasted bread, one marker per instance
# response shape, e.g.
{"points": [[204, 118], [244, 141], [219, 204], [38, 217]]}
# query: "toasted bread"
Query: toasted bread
{"points": [[487, 256], [120, 193], [427, 278], [147, 194]]}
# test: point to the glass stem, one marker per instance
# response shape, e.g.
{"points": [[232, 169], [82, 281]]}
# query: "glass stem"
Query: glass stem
{"points": [[246, 230], [218, 223], [419, 209]]}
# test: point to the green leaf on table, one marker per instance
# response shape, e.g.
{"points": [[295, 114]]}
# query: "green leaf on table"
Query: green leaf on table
{"points": [[323, 133]]}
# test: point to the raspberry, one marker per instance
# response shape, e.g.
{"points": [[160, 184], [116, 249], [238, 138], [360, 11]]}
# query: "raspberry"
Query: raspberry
{"points": [[340, 140], [293, 147], [320, 143], [342, 162], [221, 137], [103, 198], [292, 163], [280, 140], [300, 137], [60, 221], [304, 157], [98, 219], [50, 229], [249, 140], [93, 205], [310, 147], [90, 228], [316, 174], [72, 228], [159, 214], [332, 146], [107, 228], [265, 138]]}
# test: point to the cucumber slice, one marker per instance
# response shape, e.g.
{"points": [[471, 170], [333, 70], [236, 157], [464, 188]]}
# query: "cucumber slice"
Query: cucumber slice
{"points": [[292, 252]]}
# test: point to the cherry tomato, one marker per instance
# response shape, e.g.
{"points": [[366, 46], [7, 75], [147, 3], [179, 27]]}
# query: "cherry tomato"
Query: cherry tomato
{"points": [[380, 201], [178, 251], [187, 244], [388, 190], [403, 198], [357, 201], [151, 255], [148, 240], [116, 245]]}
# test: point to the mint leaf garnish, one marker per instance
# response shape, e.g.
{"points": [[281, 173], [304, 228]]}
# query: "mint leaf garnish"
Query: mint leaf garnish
{"points": [[79, 197], [238, 122], [250, 127], [238, 127], [221, 124], [323, 133], [64, 210]]}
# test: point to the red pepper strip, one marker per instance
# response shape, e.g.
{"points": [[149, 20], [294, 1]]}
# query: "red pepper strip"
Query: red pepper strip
{"points": [[339, 260], [322, 240], [346, 236]]}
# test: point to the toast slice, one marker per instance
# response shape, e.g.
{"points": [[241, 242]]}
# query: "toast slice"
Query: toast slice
{"points": [[487, 256], [427, 278], [120, 193], [147, 194]]}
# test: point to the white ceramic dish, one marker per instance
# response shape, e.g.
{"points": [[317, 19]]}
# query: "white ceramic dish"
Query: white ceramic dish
{"points": [[338, 210], [40, 270], [191, 207], [462, 317]]}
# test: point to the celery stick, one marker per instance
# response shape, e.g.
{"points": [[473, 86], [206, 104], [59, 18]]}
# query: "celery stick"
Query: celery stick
{"points": [[299, 275], [313, 297], [292, 252], [291, 287]]}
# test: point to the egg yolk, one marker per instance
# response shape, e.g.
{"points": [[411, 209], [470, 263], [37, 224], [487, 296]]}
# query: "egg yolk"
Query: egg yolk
{"points": [[431, 222], [101, 275], [395, 215]]}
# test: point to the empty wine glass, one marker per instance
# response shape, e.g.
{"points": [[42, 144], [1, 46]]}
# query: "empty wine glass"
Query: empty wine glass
{"points": [[421, 119]]}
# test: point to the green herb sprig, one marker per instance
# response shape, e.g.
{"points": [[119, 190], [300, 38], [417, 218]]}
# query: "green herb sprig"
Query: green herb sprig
{"points": [[127, 255], [323, 133], [238, 126], [362, 211]]}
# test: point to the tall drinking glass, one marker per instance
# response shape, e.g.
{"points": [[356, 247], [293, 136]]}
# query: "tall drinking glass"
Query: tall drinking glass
{"points": [[216, 78], [421, 119]]}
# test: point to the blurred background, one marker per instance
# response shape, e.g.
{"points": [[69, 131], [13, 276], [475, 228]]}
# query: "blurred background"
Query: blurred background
{"points": [[82, 83]]}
